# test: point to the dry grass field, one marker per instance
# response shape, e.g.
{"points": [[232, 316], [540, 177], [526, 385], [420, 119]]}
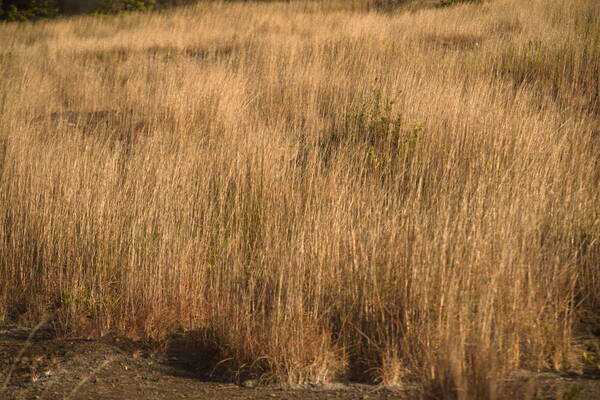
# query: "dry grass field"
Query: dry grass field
{"points": [[311, 191]]}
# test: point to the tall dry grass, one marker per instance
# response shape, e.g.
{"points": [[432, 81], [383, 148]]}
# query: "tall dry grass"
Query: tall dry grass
{"points": [[314, 191]]}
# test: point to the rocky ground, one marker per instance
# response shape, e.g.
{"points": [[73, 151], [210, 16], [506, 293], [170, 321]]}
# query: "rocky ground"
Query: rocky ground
{"points": [[117, 369]]}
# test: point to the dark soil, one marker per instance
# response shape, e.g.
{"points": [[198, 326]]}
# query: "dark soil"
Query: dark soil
{"points": [[118, 369]]}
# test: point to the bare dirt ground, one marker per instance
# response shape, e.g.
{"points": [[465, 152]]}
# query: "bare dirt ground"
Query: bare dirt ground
{"points": [[117, 369]]}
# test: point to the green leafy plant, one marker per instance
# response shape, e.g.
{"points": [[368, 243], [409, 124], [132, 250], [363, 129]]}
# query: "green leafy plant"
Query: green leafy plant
{"points": [[382, 132], [591, 360], [572, 393], [87, 302], [375, 132]]}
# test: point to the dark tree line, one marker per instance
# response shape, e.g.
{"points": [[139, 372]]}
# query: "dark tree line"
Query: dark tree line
{"points": [[25, 10]]}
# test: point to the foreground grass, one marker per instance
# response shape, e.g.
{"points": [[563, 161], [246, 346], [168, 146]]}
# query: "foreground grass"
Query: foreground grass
{"points": [[313, 191]]}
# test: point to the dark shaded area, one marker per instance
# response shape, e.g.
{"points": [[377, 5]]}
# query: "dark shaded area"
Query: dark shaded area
{"points": [[121, 128], [23, 10], [30, 10], [118, 368]]}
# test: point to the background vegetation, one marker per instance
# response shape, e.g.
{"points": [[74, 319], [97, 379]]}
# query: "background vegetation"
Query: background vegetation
{"points": [[311, 191], [26, 10]]}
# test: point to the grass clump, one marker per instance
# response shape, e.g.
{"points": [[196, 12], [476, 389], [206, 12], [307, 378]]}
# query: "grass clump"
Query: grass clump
{"points": [[569, 72]]}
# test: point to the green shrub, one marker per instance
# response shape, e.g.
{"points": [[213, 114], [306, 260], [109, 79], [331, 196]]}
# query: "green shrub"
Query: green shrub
{"points": [[24, 10], [376, 133], [572, 393], [119, 6], [29, 10]]}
